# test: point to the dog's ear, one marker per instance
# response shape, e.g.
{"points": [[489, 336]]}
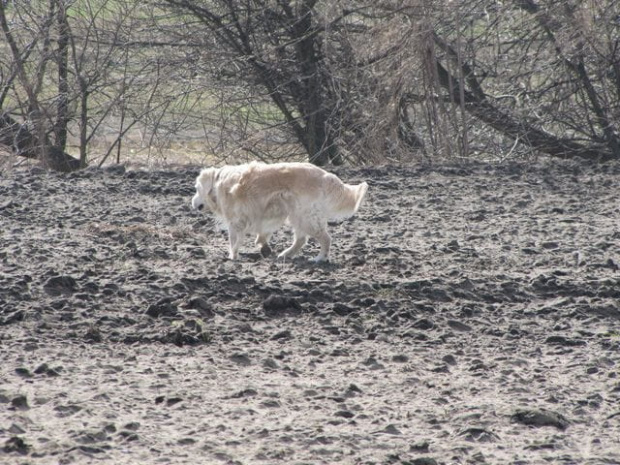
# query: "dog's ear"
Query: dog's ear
{"points": [[204, 183]]}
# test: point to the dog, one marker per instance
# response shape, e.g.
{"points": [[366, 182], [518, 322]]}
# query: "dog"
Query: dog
{"points": [[258, 198]]}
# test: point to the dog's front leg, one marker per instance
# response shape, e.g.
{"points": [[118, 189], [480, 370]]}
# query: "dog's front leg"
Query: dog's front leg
{"points": [[325, 241], [234, 238]]}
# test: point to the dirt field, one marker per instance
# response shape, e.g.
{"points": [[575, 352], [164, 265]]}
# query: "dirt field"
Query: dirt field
{"points": [[470, 314]]}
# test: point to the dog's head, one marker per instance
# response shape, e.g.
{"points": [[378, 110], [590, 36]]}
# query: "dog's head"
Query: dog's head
{"points": [[205, 184]]}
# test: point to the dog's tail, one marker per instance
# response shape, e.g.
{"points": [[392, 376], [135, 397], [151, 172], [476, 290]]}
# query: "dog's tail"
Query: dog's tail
{"points": [[349, 201]]}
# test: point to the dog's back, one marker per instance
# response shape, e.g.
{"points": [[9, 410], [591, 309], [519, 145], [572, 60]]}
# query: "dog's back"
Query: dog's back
{"points": [[298, 185]]}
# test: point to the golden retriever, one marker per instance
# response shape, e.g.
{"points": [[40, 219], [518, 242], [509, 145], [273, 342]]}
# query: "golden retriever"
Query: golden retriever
{"points": [[258, 198]]}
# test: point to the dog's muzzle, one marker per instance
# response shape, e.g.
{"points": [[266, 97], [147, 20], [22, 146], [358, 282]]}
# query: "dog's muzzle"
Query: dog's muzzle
{"points": [[197, 203]]}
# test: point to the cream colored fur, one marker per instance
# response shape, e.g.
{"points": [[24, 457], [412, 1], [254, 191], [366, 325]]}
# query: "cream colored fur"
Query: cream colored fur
{"points": [[258, 198]]}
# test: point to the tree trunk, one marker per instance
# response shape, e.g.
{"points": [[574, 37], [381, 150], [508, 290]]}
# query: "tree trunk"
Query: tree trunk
{"points": [[22, 142], [18, 136], [406, 130], [319, 144], [62, 114], [577, 67], [478, 105]]}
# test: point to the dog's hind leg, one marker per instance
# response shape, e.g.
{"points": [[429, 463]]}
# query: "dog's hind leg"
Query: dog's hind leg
{"points": [[234, 237], [298, 243], [262, 239]]}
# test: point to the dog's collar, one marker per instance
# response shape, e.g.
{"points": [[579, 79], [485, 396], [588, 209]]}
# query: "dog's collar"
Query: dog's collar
{"points": [[214, 183], [212, 192]]}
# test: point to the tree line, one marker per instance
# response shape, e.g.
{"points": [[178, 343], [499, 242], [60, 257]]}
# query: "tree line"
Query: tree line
{"points": [[336, 81]]}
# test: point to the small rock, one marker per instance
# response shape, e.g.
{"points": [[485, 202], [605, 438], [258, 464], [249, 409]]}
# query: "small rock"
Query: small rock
{"points": [[16, 444], [611, 264], [424, 324], [189, 334], [270, 404], [421, 461], [540, 418], [265, 250], [186, 441], [390, 429], [23, 372], [564, 341], [110, 428], [132, 426], [16, 429], [284, 334], [163, 307], [341, 309], [91, 437], [44, 369], [118, 170], [203, 306], [13, 317], [458, 326], [60, 285], [420, 447], [372, 363], [478, 435], [614, 415], [241, 359], [20, 403], [245, 393], [331, 329], [270, 363], [278, 305], [63, 411], [128, 436], [344, 414], [529, 251], [453, 245], [93, 335], [352, 391]]}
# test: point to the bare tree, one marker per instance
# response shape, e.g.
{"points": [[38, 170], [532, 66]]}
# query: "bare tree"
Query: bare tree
{"points": [[279, 46], [79, 71], [542, 73], [29, 138], [355, 80], [459, 78]]}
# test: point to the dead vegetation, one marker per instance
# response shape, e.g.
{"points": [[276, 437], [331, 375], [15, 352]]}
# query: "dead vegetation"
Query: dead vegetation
{"points": [[101, 81]]}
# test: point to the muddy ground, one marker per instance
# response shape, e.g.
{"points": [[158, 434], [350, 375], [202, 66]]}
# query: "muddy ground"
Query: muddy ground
{"points": [[470, 314]]}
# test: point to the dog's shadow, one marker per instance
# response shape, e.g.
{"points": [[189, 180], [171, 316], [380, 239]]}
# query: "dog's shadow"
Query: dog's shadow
{"points": [[300, 262]]}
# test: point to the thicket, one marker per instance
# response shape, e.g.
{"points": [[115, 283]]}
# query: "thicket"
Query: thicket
{"points": [[90, 81]]}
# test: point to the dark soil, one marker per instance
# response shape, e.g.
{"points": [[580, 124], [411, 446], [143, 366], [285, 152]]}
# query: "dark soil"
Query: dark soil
{"points": [[470, 314]]}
